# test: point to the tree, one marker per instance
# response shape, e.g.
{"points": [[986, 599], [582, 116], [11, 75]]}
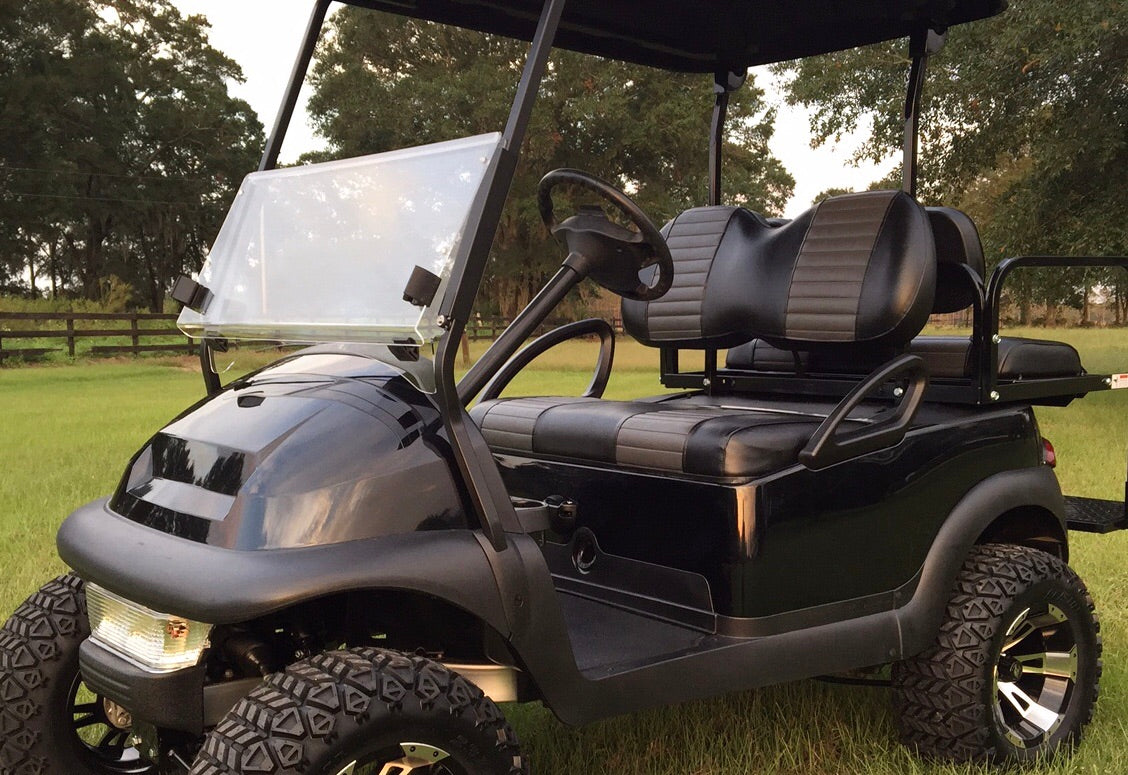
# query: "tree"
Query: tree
{"points": [[385, 82], [828, 193], [36, 79], [120, 146], [1025, 128]]}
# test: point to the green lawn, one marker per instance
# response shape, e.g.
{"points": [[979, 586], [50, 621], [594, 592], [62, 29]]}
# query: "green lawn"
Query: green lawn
{"points": [[67, 431]]}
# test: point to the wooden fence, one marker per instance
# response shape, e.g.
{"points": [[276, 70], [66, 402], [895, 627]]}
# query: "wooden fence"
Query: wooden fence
{"points": [[61, 327], [67, 328], [491, 327]]}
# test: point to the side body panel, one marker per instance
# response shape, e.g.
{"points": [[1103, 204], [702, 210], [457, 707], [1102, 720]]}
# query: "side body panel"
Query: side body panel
{"points": [[797, 538], [723, 663]]}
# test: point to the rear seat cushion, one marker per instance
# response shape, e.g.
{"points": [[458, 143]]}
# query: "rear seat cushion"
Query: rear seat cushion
{"points": [[1037, 359], [657, 436], [944, 356]]}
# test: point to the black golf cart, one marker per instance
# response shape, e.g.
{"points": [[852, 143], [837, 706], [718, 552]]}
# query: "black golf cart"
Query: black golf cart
{"points": [[334, 566]]}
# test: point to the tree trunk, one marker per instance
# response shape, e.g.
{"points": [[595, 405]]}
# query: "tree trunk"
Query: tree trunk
{"points": [[148, 251], [93, 256], [52, 251], [1024, 310], [1051, 315], [1085, 305]]}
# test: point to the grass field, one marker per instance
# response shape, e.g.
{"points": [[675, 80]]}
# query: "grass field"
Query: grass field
{"points": [[67, 431]]}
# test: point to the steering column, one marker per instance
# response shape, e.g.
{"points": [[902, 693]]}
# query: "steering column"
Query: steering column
{"points": [[610, 254]]}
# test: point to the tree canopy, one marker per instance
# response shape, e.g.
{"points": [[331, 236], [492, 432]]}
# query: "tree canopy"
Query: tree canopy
{"points": [[1025, 127], [120, 146], [383, 82]]}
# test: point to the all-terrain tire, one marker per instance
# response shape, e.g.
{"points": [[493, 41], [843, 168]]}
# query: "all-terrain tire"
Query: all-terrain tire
{"points": [[341, 706], [946, 700], [38, 668]]}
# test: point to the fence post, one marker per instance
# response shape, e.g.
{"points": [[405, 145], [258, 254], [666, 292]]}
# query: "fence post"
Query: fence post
{"points": [[70, 336], [133, 333]]}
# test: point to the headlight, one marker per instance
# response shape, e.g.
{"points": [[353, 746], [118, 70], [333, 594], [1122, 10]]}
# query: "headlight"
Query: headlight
{"points": [[155, 641]]}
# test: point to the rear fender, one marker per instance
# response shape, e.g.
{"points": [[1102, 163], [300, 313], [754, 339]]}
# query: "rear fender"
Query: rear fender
{"points": [[1026, 491]]}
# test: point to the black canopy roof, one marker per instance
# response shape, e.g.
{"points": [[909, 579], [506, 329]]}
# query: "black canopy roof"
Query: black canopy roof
{"points": [[703, 35]]}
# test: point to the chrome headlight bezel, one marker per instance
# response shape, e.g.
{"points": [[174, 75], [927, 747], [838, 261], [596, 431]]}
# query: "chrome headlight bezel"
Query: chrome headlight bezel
{"points": [[153, 641]]}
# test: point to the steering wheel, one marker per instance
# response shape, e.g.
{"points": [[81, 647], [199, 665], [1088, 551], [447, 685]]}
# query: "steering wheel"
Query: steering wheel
{"points": [[610, 254]]}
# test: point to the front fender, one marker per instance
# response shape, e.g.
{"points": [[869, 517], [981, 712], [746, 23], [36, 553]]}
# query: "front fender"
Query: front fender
{"points": [[226, 586]]}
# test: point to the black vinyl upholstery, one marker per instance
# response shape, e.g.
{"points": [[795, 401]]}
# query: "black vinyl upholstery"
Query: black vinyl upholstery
{"points": [[957, 246], [856, 273], [667, 436], [957, 249], [944, 357], [858, 269]]}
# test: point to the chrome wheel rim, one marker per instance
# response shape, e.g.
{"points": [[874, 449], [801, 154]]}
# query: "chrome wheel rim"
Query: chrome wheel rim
{"points": [[1035, 675], [417, 758]]}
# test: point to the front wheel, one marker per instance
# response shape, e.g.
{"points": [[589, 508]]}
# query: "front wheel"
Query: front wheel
{"points": [[1014, 672], [49, 721], [365, 711]]}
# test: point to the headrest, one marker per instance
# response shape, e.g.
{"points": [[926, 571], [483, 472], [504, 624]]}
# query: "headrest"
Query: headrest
{"points": [[859, 268], [957, 246]]}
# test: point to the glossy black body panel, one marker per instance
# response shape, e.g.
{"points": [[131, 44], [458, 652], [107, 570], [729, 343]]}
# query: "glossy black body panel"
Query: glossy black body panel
{"points": [[735, 582], [228, 586], [798, 538], [317, 449]]}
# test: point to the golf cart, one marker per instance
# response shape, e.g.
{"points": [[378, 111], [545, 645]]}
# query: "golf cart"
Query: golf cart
{"points": [[338, 564]]}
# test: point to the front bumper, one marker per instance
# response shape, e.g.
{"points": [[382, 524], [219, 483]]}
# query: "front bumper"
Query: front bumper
{"points": [[168, 700], [178, 700]]}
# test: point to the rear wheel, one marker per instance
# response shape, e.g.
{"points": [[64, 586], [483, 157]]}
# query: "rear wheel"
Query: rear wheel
{"points": [[1014, 672], [363, 712], [50, 722]]}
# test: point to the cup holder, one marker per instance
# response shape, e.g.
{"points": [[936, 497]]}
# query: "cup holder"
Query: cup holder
{"points": [[585, 551]]}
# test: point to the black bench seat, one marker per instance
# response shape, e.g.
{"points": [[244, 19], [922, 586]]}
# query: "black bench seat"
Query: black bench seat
{"points": [[857, 271], [697, 435], [950, 357]]}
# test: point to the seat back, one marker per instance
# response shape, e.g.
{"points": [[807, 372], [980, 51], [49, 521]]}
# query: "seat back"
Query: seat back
{"points": [[957, 247], [858, 269]]}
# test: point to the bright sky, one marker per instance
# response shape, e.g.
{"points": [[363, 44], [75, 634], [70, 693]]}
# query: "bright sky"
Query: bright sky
{"points": [[263, 37]]}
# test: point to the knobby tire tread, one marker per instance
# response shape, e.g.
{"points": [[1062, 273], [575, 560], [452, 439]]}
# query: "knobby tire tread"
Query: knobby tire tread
{"points": [[33, 644], [938, 695], [296, 715]]}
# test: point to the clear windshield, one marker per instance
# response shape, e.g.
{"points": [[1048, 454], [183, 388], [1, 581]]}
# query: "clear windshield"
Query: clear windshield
{"points": [[322, 253]]}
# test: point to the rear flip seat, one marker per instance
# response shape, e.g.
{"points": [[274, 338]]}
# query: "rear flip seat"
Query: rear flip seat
{"points": [[944, 356], [957, 249]]}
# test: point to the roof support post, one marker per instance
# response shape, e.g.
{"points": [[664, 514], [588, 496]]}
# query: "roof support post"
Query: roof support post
{"points": [[716, 141], [297, 78], [485, 489], [923, 44], [723, 85]]}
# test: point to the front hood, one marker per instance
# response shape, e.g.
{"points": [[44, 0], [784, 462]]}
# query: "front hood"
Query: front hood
{"points": [[320, 448]]}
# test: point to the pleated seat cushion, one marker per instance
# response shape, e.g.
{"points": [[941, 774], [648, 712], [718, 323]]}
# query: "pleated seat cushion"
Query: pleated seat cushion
{"points": [[662, 436]]}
